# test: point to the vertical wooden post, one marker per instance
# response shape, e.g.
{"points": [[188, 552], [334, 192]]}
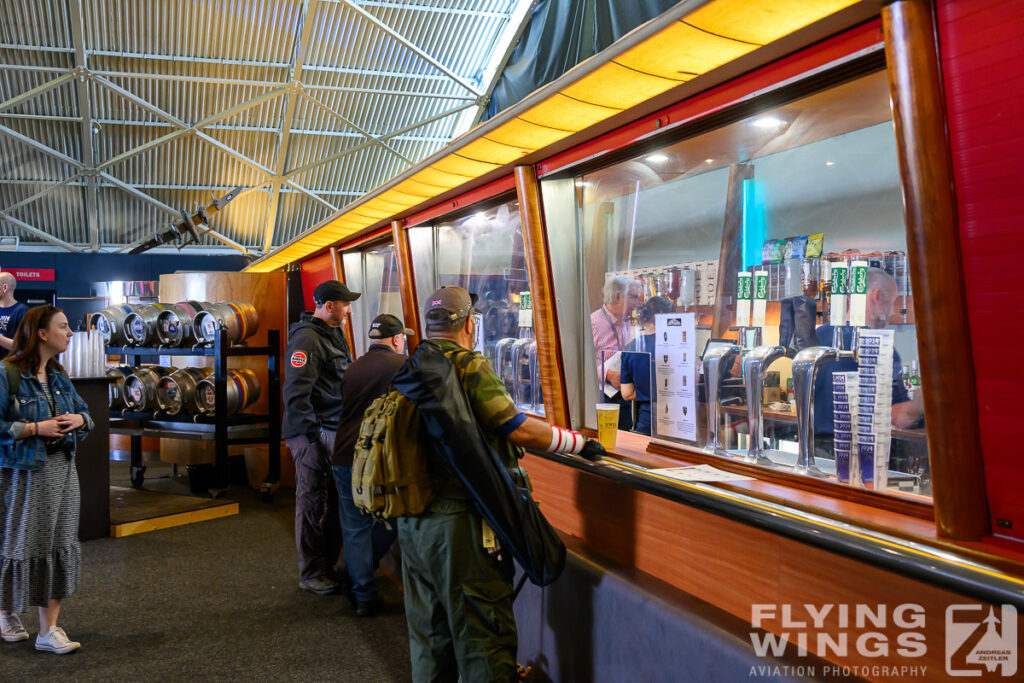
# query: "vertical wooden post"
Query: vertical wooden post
{"points": [[545, 315], [730, 258], [940, 307], [407, 280]]}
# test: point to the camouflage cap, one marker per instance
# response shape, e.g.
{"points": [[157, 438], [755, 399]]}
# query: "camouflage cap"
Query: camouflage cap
{"points": [[455, 301]]}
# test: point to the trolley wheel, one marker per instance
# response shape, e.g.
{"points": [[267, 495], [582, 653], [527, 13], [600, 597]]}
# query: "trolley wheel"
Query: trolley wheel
{"points": [[267, 490], [138, 475]]}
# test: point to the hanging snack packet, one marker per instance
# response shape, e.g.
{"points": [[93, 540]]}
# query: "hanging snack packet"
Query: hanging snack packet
{"points": [[815, 244], [778, 251], [766, 251]]}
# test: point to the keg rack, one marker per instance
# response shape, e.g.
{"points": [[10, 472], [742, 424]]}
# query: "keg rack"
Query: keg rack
{"points": [[223, 429]]}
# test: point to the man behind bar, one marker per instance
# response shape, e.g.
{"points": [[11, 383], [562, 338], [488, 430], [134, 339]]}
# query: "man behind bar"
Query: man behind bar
{"points": [[318, 356]]}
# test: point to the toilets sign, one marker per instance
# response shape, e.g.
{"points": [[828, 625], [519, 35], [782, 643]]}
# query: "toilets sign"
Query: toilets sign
{"points": [[980, 640]]}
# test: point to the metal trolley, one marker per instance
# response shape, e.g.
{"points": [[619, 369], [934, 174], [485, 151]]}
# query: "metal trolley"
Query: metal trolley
{"points": [[223, 429]]}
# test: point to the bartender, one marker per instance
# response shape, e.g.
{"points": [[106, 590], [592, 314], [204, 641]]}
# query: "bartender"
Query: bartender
{"points": [[882, 293], [610, 327]]}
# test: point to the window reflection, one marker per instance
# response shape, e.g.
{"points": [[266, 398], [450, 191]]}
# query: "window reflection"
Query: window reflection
{"points": [[787, 199]]}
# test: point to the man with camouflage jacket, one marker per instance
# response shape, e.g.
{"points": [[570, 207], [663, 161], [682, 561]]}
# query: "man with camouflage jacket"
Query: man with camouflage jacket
{"points": [[458, 583]]}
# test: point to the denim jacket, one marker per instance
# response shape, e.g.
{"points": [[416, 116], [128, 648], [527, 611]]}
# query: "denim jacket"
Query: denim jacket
{"points": [[30, 406]]}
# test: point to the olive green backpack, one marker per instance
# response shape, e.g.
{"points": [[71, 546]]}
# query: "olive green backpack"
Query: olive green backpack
{"points": [[389, 468]]}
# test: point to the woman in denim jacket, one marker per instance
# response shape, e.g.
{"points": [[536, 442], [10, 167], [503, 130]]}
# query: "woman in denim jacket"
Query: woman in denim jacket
{"points": [[40, 426]]}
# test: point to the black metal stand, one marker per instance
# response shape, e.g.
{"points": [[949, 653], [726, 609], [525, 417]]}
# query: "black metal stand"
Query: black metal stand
{"points": [[241, 428]]}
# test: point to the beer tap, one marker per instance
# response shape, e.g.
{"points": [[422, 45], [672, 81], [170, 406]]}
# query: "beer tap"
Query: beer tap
{"points": [[805, 369], [755, 366], [718, 359]]}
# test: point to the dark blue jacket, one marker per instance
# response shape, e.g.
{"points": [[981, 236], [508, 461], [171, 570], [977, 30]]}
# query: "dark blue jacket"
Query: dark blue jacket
{"points": [[29, 405]]}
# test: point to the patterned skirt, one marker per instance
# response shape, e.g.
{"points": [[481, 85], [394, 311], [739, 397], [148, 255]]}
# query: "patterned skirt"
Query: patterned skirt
{"points": [[40, 556]]}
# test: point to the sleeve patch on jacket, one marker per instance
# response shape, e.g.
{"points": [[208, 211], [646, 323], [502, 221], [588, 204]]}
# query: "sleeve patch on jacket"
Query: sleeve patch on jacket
{"points": [[298, 359]]}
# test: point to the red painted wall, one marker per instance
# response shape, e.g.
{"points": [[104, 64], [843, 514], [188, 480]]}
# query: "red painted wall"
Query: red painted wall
{"points": [[312, 272], [983, 69]]}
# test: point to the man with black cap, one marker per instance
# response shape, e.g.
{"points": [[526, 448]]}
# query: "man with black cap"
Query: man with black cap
{"points": [[367, 379], [457, 582], [318, 356]]}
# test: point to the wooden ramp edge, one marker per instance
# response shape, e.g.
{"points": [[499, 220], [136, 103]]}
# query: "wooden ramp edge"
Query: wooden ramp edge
{"points": [[167, 521]]}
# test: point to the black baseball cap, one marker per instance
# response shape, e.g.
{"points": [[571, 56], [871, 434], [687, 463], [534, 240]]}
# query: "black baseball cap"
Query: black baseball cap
{"points": [[386, 325], [455, 301], [332, 290]]}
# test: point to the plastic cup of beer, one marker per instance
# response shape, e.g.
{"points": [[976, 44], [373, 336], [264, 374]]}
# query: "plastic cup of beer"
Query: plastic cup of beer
{"points": [[607, 424]]}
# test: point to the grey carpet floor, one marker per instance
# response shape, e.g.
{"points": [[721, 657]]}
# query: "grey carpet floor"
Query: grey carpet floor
{"points": [[213, 601]]}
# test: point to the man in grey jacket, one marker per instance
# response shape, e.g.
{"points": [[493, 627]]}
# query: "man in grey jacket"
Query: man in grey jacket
{"points": [[317, 357]]}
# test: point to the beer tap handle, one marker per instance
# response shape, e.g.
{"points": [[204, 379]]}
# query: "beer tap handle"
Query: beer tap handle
{"points": [[805, 369], [755, 366], [717, 359]]}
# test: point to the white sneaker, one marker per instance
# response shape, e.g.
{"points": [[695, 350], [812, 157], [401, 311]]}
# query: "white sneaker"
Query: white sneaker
{"points": [[11, 629], [56, 641]]}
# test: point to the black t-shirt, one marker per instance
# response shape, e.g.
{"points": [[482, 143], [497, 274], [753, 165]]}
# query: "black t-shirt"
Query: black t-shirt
{"points": [[367, 379], [10, 316]]}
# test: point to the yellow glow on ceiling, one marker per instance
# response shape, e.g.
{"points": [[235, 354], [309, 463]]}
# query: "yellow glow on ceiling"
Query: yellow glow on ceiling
{"points": [[493, 152], [710, 36], [761, 21], [614, 85], [519, 133]]}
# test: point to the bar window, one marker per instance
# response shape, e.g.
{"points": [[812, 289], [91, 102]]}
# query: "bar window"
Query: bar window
{"points": [[375, 271], [483, 252], [752, 282]]}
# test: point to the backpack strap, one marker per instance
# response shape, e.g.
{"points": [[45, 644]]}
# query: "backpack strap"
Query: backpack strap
{"points": [[13, 380]]}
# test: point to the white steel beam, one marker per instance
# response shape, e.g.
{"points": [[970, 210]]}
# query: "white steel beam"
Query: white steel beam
{"points": [[92, 214], [412, 46], [42, 193], [32, 230], [306, 24], [352, 124], [387, 136], [36, 91], [310, 194], [40, 147]]}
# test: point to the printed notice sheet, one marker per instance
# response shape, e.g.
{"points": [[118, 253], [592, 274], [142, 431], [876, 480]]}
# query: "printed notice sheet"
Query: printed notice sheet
{"points": [[675, 375], [700, 473]]}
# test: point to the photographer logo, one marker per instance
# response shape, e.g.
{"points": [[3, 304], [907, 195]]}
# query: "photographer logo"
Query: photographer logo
{"points": [[981, 638]]}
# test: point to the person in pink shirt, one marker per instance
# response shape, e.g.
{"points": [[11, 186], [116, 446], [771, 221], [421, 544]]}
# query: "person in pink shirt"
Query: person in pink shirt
{"points": [[612, 332]]}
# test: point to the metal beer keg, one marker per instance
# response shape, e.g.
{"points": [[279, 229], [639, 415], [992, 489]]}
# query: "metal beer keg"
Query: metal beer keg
{"points": [[118, 373], [176, 393], [140, 324], [175, 324], [110, 322], [239, 319], [141, 387], [242, 391]]}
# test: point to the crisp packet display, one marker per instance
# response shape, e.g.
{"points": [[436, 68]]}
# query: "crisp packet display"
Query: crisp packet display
{"points": [[778, 251], [798, 247], [815, 246]]}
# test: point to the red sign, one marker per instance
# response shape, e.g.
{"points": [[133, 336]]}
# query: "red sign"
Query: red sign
{"points": [[298, 359], [32, 274]]}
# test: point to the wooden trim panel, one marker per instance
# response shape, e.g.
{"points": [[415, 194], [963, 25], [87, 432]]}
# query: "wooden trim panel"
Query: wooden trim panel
{"points": [[940, 306], [545, 315], [407, 282]]}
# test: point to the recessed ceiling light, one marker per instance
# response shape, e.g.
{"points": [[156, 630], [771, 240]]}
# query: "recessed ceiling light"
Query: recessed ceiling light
{"points": [[708, 161], [657, 158], [830, 163], [768, 122]]}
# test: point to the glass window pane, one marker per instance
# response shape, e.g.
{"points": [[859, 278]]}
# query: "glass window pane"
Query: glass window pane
{"points": [[782, 200], [421, 245], [484, 253], [352, 262]]}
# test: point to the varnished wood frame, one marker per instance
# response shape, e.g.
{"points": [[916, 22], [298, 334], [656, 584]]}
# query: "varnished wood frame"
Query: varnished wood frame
{"points": [[940, 303], [545, 312], [407, 282]]}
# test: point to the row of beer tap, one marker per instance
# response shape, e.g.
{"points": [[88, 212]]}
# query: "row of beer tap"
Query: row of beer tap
{"points": [[847, 310]]}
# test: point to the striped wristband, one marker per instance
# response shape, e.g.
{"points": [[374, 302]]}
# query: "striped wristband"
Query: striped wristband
{"points": [[565, 441]]}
